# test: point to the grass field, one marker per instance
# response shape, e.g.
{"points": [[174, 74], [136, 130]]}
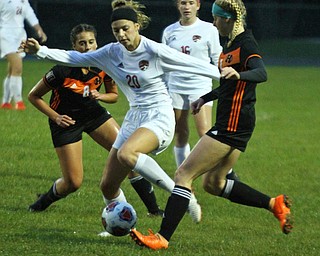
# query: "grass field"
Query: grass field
{"points": [[282, 157]]}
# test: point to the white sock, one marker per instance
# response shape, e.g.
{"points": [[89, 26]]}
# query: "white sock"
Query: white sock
{"points": [[6, 98], [121, 198], [148, 168], [16, 87], [181, 153], [230, 171]]}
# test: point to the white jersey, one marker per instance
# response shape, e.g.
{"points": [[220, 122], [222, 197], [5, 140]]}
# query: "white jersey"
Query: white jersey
{"points": [[139, 73], [200, 40], [13, 13]]}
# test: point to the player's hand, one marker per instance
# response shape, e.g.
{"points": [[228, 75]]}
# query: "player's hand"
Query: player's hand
{"points": [[229, 73], [94, 94], [30, 46], [64, 121], [196, 106]]}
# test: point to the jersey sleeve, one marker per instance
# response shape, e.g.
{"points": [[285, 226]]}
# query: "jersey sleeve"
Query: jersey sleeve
{"points": [[30, 16], [214, 46], [54, 77], [173, 60]]}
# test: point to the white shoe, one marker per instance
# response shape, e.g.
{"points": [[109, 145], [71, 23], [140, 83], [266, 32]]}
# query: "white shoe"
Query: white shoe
{"points": [[194, 209], [104, 234]]}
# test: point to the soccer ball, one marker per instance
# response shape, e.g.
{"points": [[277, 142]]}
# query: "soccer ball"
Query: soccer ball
{"points": [[118, 218]]}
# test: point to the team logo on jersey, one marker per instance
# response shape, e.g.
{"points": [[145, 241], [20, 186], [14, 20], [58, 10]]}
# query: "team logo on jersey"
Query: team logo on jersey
{"points": [[50, 76], [97, 81], [196, 38], [229, 58], [143, 65]]}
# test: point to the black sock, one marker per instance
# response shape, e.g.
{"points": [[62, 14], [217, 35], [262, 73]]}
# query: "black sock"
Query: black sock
{"points": [[51, 196], [176, 207], [146, 193], [240, 193]]}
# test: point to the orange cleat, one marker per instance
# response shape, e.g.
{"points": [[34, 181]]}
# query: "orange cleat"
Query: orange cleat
{"points": [[20, 105], [6, 106], [281, 210], [152, 241]]}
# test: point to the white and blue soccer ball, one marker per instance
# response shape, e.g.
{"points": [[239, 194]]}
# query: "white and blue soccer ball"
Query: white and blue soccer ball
{"points": [[118, 218]]}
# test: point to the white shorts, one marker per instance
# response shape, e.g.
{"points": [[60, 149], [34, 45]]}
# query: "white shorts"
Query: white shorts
{"points": [[10, 39], [183, 101], [159, 120]]}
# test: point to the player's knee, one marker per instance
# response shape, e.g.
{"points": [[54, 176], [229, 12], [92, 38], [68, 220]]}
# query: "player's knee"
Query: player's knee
{"points": [[126, 157]]}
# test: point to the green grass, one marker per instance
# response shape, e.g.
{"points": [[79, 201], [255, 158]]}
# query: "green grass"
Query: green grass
{"points": [[282, 157]]}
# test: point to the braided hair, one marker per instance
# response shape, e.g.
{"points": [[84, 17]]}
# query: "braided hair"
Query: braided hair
{"points": [[143, 19], [236, 7]]}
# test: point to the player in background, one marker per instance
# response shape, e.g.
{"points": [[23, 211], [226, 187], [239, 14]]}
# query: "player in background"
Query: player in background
{"points": [[200, 39], [216, 152], [74, 109], [137, 64], [13, 14]]}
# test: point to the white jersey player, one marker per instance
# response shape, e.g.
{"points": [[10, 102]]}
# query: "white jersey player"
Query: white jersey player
{"points": [[137, 65], [13, 14]]}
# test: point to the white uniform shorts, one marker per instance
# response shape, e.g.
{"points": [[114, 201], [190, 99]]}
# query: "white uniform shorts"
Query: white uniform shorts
{"points": [[183, 101], [159, 120], [10, 39]]}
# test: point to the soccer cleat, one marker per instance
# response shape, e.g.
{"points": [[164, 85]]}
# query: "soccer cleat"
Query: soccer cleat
{"points": [[158, 213], [281, 210], [194, 209], [232, 176], [152, 241], [6, 105], [20, 105], [40, 205]]}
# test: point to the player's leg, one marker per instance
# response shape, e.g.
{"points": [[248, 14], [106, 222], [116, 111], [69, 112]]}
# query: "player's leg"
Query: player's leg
{"points": [[201, 159], [105, 135], [70, 158], [15, 82], [181, 146], [238, 192]]}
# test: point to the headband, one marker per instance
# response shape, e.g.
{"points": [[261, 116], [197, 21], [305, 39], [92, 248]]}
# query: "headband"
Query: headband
{"points": [[218, 11], [124, 13]]}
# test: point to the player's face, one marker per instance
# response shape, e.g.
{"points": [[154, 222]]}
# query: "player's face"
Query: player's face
{"points": [[127, 33], [188, 8], [85, 42], [223, 25]]}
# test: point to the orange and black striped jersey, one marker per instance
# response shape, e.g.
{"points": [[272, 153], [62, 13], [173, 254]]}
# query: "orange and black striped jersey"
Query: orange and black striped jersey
{"points": [[236, 100], [70, 90]]}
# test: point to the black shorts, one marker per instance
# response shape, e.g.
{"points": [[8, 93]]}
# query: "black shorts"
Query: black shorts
{"points": [[63, 136], [238, 140]]}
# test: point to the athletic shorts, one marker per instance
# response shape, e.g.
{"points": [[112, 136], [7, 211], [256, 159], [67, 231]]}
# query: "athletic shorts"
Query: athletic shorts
{"points": [[10, 39], [159, 120], [238, 140], [183, 101], [63, 136]]}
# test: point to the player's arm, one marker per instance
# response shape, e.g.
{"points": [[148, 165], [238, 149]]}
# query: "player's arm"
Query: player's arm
{"points": [[35, 97], [111, 91]]}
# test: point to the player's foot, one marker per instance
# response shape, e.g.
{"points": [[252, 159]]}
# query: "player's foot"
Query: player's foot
{"points": [[194, 209], [157, 213], [281, 210], [40, 205], [6, 105], [20, 105], [104, 234], [232, 176], [152, 241]]}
